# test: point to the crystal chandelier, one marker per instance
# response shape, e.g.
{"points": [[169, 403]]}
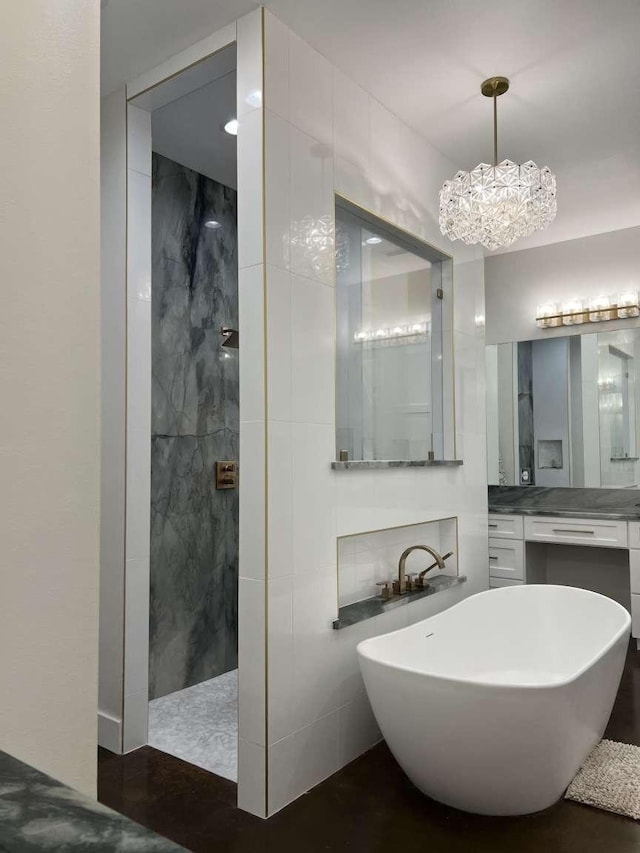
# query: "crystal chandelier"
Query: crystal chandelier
{"points": [[496, 205]]}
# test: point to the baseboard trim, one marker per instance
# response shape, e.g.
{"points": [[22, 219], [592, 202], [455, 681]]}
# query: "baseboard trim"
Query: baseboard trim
{"points": [[110, 732]]}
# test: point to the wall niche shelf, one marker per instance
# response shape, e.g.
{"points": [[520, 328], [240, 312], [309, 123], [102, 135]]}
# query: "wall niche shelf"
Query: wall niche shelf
{"points": [[351, 614], [368, 564]]}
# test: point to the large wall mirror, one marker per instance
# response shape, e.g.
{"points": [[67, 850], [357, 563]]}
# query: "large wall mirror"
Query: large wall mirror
{"points": [[565, 411], [393, 350]]}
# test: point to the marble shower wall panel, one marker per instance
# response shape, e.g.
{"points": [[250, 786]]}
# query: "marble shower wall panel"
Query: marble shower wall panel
{"points": [[195, 422]]}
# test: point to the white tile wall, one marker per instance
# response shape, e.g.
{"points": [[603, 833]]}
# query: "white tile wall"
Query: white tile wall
{"points": [[251, 654], [253, 427], [249, 81], [138, 474], [310, 91], [312, 346], [326, 134], [277, 187]]}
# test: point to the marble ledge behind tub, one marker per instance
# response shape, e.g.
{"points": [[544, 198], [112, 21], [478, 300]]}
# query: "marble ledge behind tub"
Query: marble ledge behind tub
{"points": [[40, 813], [351, 614], [615, 504], [364, 464]]}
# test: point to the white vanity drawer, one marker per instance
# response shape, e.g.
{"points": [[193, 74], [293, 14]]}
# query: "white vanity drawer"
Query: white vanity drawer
{"points": [[576, 531], [634, 567], [505, 526], [635, 615], [506, 559], [496, 583], [634, 535]]}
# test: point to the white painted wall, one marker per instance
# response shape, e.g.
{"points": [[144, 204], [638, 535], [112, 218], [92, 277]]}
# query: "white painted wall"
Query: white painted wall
{"points": [[50, 383], [324, 134], [518, 281]]}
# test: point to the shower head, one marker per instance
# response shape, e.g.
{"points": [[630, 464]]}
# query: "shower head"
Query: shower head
{"points": [[231, 337]]}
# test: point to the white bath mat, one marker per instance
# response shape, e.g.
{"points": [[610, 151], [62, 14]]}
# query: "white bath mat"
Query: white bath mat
{"points": [[610, 779]]}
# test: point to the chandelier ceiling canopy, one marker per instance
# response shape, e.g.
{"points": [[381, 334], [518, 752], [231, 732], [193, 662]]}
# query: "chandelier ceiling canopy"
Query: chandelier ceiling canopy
{"points": [[496, 205]]}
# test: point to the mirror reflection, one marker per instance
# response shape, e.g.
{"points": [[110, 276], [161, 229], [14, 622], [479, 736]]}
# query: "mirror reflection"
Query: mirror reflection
{"points": [[565, 411], [391, 354]]}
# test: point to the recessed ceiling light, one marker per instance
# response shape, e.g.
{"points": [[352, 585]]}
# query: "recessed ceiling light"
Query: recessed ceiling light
{"points": [[212, 223], [373, 241], [232, 126]]}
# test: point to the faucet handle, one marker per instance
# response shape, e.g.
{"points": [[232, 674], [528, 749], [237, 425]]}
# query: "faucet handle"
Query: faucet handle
{"points": [[411, 579], [386, 589]]}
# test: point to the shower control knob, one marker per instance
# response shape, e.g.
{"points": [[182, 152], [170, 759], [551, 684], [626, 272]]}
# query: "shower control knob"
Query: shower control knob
{"points": [[226, 474]]}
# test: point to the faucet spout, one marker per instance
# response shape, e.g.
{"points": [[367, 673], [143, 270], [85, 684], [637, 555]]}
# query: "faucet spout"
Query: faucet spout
{"points": [[402, 578]]}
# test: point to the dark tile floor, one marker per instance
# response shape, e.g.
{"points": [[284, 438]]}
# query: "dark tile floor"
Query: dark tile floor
{"points": [[368, 807]]}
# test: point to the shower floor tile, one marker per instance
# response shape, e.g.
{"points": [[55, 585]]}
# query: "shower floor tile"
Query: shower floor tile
{"points": [[200, 724]]}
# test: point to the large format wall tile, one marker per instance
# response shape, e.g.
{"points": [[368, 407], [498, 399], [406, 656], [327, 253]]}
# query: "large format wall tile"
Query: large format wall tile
{"points": [[195, 422]]}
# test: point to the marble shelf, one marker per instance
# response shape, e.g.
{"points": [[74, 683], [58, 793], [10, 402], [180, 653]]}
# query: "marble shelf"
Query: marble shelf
{"points": [[351, 614], [367, 464]]}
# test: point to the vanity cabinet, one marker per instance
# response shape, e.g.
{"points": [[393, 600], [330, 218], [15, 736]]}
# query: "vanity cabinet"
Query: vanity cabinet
{"points": [[506, 559], [509, 564], [506, 526], [576, 531], [634, 566]]}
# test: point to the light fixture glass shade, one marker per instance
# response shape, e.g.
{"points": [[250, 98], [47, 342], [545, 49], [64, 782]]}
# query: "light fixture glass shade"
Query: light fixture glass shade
{"points": [[572, 312], [599, 309], [496, 205], [628, 305], [548, 316]]}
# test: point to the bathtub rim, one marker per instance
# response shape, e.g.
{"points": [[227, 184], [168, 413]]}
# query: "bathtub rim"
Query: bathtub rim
{"points": [[500, 685]]}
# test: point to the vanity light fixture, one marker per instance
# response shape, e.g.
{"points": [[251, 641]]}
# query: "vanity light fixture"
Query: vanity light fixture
{"points": [[231, 127], [411, 330], [597, 309], [496, 205]]}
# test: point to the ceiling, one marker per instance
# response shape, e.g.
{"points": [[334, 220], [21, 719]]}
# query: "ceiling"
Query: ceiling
{"points": [[574, 68], [189, 130]]}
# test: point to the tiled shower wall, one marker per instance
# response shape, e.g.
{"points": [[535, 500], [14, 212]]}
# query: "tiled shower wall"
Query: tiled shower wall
{"points": [[324, 134], [194, 423]]}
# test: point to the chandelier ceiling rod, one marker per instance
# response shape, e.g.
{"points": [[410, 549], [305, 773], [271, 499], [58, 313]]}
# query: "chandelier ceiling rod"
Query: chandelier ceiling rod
{"points": [[493, 87]]}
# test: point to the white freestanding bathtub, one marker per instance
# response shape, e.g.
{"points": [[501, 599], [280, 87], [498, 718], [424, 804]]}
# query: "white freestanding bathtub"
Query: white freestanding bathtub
{"points": [[493, 705]]}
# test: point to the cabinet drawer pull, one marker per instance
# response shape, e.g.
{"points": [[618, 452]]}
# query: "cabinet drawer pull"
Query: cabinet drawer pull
{"points": [[492, 558], [493, 524], [569, 530]]}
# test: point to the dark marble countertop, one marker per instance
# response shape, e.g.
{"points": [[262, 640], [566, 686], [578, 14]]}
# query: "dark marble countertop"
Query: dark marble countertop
{"points": [[350, 614], [615, 504], [38, 813]]}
